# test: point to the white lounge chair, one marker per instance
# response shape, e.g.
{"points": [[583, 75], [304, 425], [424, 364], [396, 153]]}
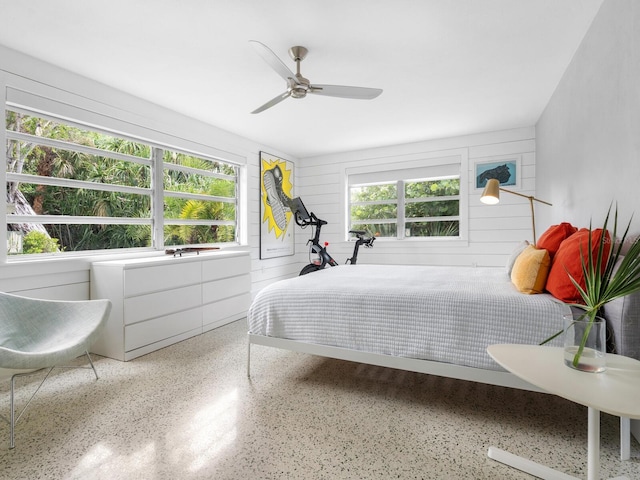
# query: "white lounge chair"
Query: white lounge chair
{"points": [[44, 334]]}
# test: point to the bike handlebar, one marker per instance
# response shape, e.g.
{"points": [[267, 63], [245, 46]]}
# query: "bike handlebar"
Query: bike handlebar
{"points": [[312, 220], [362, 240]]}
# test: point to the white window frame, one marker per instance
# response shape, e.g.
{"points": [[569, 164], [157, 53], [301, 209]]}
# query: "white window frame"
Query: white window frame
{"points": [[407, 168], [157, 155], [157, 195]]}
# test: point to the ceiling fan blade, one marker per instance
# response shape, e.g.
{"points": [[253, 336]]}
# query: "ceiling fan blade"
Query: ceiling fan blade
{"points": [[272, 102], [273, 61], [361, 93]]}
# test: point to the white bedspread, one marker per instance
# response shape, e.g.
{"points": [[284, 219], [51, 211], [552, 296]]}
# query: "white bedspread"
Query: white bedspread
{"points": [[446, 314]]}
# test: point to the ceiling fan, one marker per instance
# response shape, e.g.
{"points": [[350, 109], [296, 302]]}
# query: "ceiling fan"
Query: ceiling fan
{"points": [[298, 86]]}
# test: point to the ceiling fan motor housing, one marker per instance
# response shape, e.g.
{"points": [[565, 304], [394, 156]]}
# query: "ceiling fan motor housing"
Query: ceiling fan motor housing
{"points": [[298, 86], [300, 89]]}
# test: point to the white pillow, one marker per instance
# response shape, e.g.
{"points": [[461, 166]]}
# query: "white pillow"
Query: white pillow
{"points": [[514, 255]]}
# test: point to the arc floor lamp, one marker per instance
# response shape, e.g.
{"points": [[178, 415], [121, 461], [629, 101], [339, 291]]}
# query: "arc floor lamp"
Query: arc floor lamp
{"points": [[491, 196]]}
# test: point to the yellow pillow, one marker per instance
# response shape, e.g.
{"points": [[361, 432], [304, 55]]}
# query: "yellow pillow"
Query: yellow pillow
{"points": [[529, 273]]}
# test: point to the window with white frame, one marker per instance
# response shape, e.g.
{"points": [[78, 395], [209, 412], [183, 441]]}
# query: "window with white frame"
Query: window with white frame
{"points": [[199, 199], [414, 202], [73, 188]]}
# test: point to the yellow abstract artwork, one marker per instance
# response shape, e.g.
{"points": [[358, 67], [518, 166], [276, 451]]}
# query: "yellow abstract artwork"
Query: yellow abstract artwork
{"points": [[276, 191]]}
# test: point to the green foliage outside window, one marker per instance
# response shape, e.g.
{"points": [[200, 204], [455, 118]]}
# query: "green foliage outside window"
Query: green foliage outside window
{"points": [[374, 202], [94, 164], [431, 208], [188, 209], [442, 208], [372, 193], [432, 188], [39, 242], [434, 229]]}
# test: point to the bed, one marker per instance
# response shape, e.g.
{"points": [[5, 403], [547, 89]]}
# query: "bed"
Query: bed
{"points": [[429, 319]]}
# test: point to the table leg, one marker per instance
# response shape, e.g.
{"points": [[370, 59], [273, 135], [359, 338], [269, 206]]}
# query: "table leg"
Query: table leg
{"points": [[625, 438], [529, 466], [547, 473], [593, 444]]}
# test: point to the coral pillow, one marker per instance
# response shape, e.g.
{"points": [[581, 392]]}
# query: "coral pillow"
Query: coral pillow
{"points": [[567, 261], [551, 239], [529, 273]]}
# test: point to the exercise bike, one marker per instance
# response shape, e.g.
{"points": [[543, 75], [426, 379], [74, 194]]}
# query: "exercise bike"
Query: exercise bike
{"points": [[303, 218]]}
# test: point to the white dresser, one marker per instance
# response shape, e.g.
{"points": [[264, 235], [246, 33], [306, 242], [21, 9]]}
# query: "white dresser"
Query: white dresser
{"points": [[162, 300]]}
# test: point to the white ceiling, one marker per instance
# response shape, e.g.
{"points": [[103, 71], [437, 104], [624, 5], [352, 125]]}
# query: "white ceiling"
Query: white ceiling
{"points": [[447, 67]]}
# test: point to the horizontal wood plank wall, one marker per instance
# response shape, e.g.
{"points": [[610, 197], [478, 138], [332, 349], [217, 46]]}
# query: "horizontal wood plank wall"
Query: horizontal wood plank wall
{"points": [[494, 231], [68, 278]]}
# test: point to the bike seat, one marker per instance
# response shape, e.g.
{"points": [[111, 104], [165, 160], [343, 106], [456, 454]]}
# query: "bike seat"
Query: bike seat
{"points": [[357, 232]]}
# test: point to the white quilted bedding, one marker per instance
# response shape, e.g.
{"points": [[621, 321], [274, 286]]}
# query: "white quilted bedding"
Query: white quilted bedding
{"points": [[446, 314]]}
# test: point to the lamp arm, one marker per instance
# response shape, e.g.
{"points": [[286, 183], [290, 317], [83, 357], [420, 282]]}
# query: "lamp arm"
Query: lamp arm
{"points": [[533, 215], [531, 198]]}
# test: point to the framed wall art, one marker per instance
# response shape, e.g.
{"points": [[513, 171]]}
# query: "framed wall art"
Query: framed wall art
{"points": [[276, 219], [505, 169]]}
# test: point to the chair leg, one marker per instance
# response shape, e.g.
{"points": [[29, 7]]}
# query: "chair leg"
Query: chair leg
{"points": [[91, 363], [249, 359], [12, 414], [13, 419]]}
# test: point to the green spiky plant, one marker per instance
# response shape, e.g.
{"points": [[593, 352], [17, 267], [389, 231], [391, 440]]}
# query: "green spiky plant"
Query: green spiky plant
{"points": [[604, 284]]}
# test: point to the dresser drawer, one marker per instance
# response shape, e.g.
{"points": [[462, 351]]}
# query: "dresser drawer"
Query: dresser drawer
{"points": [[225, 267], [229, 307], [138, 281], [144, 307], [228, 287], [161, 328]]}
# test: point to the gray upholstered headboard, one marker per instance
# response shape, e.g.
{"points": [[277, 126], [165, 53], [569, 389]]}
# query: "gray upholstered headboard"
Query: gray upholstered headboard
{"points": [[623, 317], [623, 320]]}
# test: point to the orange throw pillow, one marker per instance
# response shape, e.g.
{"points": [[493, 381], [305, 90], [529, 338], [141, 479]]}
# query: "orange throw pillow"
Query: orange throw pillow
{"points": [[551, 239], [567, 261], [529, 273]]}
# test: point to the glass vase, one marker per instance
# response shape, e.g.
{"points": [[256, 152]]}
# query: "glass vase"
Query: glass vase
{"points": [[585, 343]]}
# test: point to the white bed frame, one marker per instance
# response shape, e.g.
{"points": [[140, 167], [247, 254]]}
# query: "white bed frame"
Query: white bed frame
{"points": [[480, 375], [449, 370]]}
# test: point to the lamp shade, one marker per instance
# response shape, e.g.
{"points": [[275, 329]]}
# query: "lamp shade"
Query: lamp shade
{"points": [[491, 193]]}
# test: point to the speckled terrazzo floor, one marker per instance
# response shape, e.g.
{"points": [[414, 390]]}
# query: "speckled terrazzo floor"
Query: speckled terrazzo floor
{"points": [[189, 412]]}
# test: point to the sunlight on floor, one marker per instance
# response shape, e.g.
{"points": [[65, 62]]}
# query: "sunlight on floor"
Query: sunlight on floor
{"points": [[212, 430], [102, 459]]}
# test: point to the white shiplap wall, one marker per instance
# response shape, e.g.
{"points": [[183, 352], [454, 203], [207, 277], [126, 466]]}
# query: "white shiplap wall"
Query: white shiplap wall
{"points": [[493, 230], [68, 277], [319, 181]]}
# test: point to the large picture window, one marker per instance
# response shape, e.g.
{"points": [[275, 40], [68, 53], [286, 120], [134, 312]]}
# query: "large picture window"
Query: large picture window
{"points": [[74, 188], [395, 204]]}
